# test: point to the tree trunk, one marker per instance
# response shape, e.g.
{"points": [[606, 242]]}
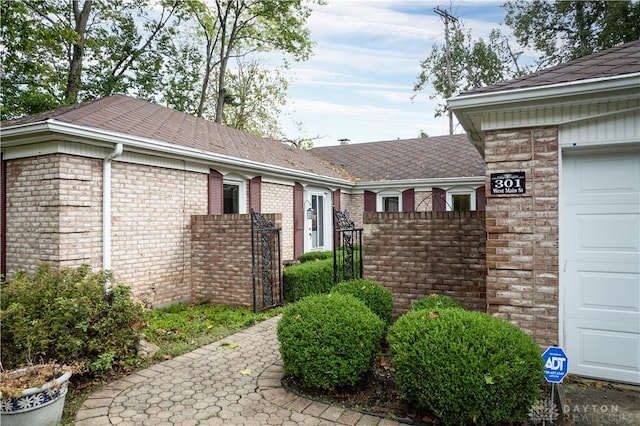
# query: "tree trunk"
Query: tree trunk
{"points": [[75, 65]]}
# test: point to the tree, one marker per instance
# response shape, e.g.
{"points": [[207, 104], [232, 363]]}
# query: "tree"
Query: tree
{"points": [[566, 30], [253, 93], [235, 28], [474, 63], [58, 52]]}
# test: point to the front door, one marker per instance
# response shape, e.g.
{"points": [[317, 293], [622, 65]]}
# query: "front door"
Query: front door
{"points": [[317, 221], [601, 270]]}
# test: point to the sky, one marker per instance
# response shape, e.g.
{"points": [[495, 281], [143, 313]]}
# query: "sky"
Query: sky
{"points": [[358, 85]]}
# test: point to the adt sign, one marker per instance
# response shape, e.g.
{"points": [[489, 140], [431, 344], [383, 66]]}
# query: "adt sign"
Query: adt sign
{"points": [[555, 364]]}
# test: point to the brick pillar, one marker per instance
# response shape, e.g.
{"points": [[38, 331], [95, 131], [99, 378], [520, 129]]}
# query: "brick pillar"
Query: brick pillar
{"points": [[522, 232]]}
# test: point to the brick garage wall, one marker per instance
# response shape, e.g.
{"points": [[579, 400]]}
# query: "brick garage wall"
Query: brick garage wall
{"points": [[278, 198], [416, 254], [221, 268], [151, 221], [53, 211], [522, 232]]}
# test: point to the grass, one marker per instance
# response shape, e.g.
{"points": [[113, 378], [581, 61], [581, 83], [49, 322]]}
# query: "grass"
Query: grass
{"points": [[176, 330]]}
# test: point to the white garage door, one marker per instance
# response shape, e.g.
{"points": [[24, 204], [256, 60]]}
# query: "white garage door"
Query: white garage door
{"points": [[601, 272]]}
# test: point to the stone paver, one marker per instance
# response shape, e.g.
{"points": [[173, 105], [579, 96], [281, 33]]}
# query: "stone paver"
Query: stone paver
{"points": [[215, 385]]}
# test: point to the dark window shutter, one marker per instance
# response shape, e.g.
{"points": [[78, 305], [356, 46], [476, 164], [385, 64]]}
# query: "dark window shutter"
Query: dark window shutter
{"points": [[439, 200], [408, 200], [336, 199], [369, 201], [481, 199], [216, 193], [298, 220], [255, 193]]}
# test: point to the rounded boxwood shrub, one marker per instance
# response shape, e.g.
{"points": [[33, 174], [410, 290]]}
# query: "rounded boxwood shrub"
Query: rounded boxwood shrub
{"points": [[64, 315], [328, 341], [435, 301], [373, 294], [465, 367]]}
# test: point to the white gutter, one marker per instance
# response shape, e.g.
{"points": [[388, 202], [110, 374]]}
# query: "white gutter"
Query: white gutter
{"points": [[140, 144], [413, 183], [106, 210]]}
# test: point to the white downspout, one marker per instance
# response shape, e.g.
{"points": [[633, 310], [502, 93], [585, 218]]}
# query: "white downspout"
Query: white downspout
{"points": [[106, 211]]}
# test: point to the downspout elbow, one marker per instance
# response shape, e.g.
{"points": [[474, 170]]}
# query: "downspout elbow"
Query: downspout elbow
{"points": [[117, 152]]}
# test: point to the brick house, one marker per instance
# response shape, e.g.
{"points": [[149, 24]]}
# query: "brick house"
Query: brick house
{"points": [[563, 252], [115, 183]]}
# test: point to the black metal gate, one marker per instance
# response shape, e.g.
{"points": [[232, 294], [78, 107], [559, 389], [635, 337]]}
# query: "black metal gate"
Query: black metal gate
{"points": [[347, 248], [265, 264]]}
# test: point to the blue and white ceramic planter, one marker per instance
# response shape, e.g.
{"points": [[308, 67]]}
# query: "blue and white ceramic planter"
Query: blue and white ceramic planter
{"points": [[36, 406]]}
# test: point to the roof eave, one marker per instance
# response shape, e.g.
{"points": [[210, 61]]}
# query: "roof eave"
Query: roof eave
{"points": [[528, 94], [140, 144], [464, 105]]}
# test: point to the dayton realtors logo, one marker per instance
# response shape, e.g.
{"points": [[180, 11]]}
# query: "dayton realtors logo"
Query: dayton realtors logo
{"points": [[544, 411], [597, 414]]}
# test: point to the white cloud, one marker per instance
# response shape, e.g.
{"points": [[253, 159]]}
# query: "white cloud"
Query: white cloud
{"points": [[359, 82]]}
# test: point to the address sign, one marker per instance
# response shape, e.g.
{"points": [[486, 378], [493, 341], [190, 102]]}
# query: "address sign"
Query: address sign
{"points": [[508, 183]]}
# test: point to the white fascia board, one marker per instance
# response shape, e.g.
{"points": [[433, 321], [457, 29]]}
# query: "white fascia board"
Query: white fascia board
{"points": [[545, 93], [146, 145], [421, 183]]}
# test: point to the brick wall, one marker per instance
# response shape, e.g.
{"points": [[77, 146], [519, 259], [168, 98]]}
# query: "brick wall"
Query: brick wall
{"points": [[522, 232], [151, 220], [419, 253], [279, 199], [423, 201], [354, 204], [221, 269], [53, 212]]}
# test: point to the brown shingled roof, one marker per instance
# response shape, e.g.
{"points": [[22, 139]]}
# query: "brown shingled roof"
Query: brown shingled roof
{"points": [[131, 116], [619, 60], [421, 158]]}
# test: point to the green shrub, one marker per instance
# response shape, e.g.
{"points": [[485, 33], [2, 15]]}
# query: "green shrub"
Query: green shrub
{"points": [[465, 367], [434, 302], [329, 341], [307, 278], [64, 315], [373, 294], [315, 255]]}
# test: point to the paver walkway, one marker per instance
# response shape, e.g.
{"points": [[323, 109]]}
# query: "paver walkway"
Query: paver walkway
{"points": [[215, 385]]}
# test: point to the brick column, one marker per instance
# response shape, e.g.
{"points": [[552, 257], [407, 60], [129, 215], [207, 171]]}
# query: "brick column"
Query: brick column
{"points": [[522, 232]]}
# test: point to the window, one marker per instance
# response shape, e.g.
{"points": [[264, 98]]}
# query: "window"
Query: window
{"points": [[231, 198], [234, 196], [461, 200], [389, 202], [317, 222]]}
